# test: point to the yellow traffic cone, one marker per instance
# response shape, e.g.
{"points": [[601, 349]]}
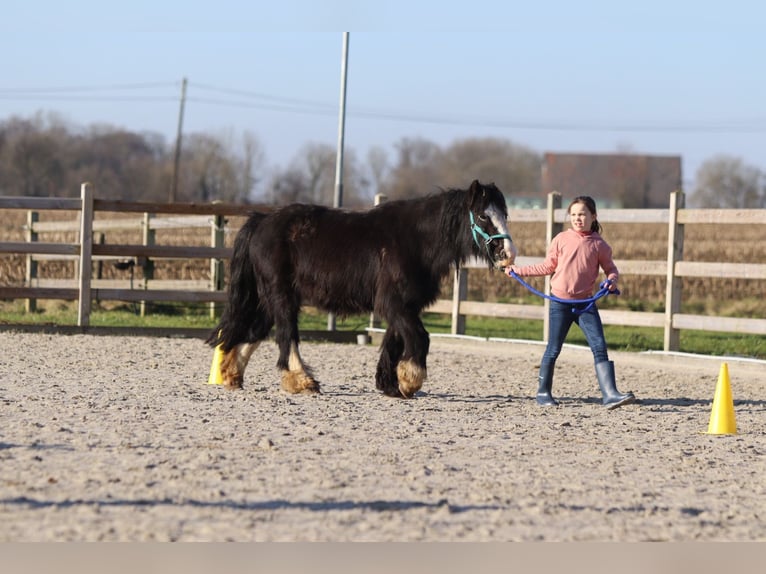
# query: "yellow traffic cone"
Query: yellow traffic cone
{"points": [[215, 377], [722, 419]]}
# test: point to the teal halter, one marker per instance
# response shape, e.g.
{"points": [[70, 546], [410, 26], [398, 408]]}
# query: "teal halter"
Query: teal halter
{"points": [[475, 229]]}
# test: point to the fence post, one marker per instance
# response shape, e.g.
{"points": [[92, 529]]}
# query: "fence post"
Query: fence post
{"points": [[217, 268], [552, 228], [672, 337], [147, 265], [86, 254], [459, 292], [31, 268], [99, 238]]}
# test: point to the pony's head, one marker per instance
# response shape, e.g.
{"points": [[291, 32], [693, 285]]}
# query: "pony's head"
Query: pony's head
{"points": [[488, 216]]}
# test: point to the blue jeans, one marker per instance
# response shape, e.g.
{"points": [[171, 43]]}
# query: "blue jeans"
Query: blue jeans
{"points": [[561, 317]]}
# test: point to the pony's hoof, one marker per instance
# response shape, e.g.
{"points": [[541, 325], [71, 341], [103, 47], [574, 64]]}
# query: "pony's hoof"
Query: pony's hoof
{"points": [[295, 383], [392, 392], [408, 388], [410, 377], [312, 390], [231, 382]]}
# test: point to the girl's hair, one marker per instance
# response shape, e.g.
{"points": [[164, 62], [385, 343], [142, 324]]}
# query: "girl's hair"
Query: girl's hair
{"points": [[588, 202]]}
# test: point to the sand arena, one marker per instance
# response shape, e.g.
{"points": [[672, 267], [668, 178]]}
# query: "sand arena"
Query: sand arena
{"points": [[121, 439]]}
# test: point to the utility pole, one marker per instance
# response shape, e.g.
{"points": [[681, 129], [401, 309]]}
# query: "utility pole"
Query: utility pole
{"points": [[177, 158], [338, 199]]}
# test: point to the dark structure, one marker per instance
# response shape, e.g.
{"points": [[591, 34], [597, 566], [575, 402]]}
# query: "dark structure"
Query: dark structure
{"points": [[614, 180], [390, 260]]}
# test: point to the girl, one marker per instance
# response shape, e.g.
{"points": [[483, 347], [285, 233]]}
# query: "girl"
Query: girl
{"points": [[574, 258]]}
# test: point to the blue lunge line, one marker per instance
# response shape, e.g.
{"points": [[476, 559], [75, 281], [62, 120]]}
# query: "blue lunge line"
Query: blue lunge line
{"points": [[602, 292]]}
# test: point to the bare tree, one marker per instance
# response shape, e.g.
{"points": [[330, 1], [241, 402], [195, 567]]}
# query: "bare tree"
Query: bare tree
{"points": [[253, 161], [319, 163], [423, 167], [513, 168], [727, 182], [288, 186], [38, 169], [377, 162], [216, 168], [310, 178], [418, 171], [121, 164], [307, 179], [32, 158], [45, 157]]}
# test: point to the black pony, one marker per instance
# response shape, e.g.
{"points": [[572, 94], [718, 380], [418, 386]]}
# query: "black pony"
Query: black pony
{"points": [[390, 260]]}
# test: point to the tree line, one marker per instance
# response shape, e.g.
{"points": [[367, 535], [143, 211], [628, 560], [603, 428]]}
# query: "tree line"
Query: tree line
{"points": [[44, 156]]}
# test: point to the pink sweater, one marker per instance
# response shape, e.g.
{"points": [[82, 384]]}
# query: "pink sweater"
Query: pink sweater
{"points": [[574, 259]]}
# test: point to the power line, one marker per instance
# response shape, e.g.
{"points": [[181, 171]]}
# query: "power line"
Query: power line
{"points": [[109, 87], [306, 106], [256, 100], [259, 95], [316, 109], [90, 98], [87, 93]]}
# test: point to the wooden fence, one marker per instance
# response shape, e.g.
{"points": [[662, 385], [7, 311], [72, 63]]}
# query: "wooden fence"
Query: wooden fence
{"points": [[146, 225], [85, 251], [673, 268]]}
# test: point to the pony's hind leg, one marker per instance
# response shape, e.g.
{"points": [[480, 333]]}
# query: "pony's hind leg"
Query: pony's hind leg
{"points": [[244, 340], [296, 375], [234, 363]]}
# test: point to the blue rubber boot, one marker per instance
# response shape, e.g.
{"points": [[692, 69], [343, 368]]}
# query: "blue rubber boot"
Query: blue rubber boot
{"points": [[545, 380], [612, 398]]}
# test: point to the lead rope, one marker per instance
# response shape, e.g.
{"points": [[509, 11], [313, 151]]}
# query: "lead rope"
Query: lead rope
{"points": [[602, 292]]}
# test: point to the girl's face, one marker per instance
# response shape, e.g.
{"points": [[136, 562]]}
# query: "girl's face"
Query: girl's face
{"points": [[580, 217]]}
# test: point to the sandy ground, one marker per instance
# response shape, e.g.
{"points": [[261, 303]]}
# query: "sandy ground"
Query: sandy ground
{"points": [[121, 439]]}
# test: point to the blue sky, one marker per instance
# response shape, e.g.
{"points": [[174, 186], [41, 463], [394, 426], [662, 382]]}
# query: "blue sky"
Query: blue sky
{"points": [[665, 78]]}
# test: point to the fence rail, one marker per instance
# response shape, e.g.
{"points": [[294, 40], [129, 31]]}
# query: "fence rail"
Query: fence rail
{"points": [[85, 251]]}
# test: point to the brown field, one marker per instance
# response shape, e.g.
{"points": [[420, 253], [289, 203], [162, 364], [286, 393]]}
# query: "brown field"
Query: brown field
{"points": [[709, 243]]}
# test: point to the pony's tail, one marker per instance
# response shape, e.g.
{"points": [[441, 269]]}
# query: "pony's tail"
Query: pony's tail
{"points": [[242, 303]]}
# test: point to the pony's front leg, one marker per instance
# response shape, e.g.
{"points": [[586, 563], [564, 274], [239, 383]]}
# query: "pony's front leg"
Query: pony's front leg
{"points": [[411, 370], [402, 365], [390, 351]]}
